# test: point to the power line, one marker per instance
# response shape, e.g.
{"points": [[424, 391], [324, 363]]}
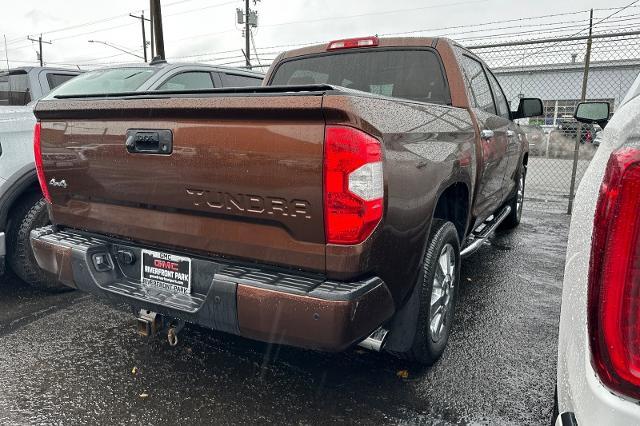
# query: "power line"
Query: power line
{"points": [[164, 16], [204, 54], [413, 9], [386, 34], [110, 18], [506, 35], [587, 28]]}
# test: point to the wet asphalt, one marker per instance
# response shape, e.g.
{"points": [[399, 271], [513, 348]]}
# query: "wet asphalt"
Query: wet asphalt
{"points": [[69, 359]]}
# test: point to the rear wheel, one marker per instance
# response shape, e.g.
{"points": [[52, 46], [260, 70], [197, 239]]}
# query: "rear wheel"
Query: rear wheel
{"points": [[516, 202], [437, 296], [29, 213]]}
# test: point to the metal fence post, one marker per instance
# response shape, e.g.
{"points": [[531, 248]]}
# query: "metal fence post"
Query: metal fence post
{"points": [[585, 79]]}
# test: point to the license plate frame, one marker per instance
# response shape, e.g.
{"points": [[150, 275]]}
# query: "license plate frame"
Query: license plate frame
{"points": [[166, 271]]}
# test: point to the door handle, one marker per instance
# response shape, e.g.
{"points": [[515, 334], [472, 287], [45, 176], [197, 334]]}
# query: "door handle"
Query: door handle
{"points": [[486, 134], [149, 141], [511, 133]]}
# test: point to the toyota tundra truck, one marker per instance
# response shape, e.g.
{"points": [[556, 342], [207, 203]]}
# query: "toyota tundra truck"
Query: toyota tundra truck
{"points": [[327, 208]]}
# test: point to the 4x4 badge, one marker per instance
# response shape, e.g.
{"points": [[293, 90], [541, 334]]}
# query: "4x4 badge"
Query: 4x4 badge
{"points": [[60, 184]]}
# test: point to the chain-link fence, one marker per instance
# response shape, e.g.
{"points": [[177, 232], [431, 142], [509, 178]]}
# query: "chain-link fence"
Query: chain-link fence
{"points": [[553, 70]]}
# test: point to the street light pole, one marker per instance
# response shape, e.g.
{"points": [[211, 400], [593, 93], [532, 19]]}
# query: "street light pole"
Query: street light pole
{"points": [[247, 40]]}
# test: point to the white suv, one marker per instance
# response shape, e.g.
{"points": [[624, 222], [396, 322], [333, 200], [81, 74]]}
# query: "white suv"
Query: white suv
{"points": [[22, 207], [599, 341]]}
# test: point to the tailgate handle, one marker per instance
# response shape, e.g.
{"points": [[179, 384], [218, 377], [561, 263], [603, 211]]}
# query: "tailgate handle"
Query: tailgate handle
{"points": [[143, 141]]}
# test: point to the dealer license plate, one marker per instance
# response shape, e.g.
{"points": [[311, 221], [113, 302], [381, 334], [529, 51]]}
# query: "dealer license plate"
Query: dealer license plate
{"points": [[166, 271]]}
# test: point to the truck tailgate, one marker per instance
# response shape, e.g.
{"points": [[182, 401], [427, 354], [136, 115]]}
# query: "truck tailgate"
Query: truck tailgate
{"points": [[241, 176]]}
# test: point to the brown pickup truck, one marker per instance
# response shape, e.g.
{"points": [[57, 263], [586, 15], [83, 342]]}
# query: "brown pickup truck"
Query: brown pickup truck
{"points": [[329, 207]]}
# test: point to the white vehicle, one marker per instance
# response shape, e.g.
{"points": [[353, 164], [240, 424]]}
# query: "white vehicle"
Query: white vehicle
{"points": [[599, 342], [22, 207]]}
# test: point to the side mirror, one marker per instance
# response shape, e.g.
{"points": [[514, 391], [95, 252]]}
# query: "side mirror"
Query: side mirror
{"points": [[593, 112], [528, 107]]}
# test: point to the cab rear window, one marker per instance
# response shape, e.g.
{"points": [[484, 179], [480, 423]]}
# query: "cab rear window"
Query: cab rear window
{"points": [[399, 73]]}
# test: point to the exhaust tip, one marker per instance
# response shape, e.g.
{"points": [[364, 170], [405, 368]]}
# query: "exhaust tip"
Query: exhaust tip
{"points": [[375, 341]]}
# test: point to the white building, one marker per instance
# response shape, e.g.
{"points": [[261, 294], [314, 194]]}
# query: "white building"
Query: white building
{"points": [[560, 85]]}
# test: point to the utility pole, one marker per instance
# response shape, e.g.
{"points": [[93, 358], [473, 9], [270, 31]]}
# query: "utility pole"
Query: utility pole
{"points": [[6, 52], [144, 34], [40, 41], [585, 80], [250, 19], [247, 38], [156, 16], [151, 30]]}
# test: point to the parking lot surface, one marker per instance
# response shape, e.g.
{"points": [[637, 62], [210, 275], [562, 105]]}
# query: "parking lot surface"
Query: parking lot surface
{"points": [[67, 358]]}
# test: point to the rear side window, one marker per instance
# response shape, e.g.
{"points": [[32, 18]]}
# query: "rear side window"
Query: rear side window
{"points": [[478, 85], [400, 73], [19, 93], [4, 89], [498, 94], [105, 81], [235, 80], [56, 80], [192, 80]]}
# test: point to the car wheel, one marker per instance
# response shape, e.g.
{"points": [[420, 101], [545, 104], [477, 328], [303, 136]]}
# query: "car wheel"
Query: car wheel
{"points": [[516, 202], [437, 296], [30, 213]]}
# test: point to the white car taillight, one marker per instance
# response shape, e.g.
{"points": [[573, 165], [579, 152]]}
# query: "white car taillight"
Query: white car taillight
{"points": [[614, 276]]}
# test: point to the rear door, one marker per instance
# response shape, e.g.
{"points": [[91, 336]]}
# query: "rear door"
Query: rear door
{"points": [[493, 135], [514, 146]]}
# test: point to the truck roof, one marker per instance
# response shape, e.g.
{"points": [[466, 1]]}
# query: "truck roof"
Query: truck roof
{"points": [[382, 42]]}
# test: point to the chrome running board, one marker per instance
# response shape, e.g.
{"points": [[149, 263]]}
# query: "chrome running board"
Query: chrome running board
{"points": [[482, 236]]}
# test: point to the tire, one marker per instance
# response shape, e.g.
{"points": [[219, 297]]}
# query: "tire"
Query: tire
{"points": [[516, 202], [30, 213], [430, 340]]}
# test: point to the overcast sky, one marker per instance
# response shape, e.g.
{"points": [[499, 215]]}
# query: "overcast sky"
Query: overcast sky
{"points": [[207, 28]]}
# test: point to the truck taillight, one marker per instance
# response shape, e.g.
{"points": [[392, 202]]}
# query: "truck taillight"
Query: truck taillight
{"points": [[614, 276], [353, 185], [37, 151]]}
